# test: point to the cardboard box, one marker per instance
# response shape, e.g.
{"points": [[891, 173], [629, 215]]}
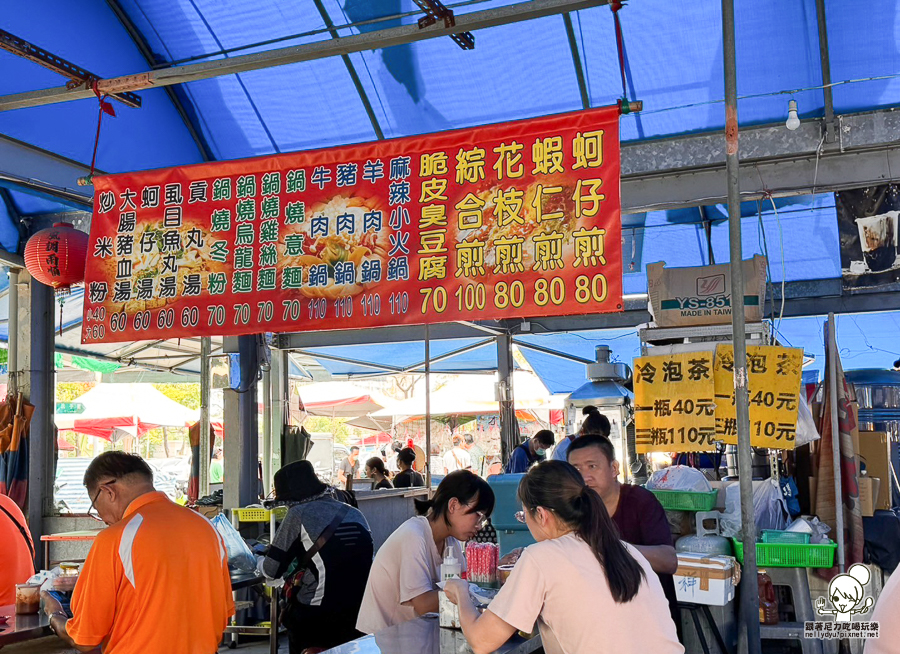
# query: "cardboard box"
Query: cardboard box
{"points": [[208, 511], [868, 491], [705, 579], [701, 295], [875, 453]]}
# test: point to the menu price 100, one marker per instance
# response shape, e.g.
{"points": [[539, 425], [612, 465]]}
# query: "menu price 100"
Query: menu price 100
{"points": [[552, 291]]}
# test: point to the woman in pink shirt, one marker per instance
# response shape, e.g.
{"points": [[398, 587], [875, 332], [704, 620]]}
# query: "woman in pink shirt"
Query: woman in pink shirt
{"points": [[587, 590]]}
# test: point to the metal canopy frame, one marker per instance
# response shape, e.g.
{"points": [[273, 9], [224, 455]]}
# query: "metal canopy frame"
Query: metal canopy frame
{"points": [[676, 172], [403, 34], [802, 298], [76, 74], [683, 171]]}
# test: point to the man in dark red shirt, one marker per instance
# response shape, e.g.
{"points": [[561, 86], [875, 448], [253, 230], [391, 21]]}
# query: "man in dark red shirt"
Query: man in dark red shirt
{"points": [[636, 511]]}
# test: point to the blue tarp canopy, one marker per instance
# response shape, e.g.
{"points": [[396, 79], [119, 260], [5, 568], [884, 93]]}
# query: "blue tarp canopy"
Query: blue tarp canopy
{"points": [[673, 59]]}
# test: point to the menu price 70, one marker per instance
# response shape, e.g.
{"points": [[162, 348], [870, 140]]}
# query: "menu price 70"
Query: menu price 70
{"points": [[433, 302]]}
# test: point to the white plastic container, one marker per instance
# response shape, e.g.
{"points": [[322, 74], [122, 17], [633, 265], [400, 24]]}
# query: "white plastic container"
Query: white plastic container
{"points": [[705, 579], [450, 569]]}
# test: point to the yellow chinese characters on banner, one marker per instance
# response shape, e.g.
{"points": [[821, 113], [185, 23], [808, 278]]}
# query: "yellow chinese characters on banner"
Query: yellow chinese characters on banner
{"points": [[674, 399], [774, 382]]}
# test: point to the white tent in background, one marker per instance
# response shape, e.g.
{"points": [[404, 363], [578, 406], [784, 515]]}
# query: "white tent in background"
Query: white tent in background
{"points": [[132, 408], [474, 395]]}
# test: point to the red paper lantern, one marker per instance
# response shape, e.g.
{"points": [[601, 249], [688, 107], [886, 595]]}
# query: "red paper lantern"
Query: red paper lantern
{"points": [[56, 256]]}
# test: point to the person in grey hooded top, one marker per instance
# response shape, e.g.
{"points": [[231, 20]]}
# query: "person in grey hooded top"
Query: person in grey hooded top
{"points": [[324, 591]]}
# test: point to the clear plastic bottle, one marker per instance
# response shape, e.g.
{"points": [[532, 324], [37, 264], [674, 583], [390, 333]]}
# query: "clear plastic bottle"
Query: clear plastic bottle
{"points": [[450, 567]]}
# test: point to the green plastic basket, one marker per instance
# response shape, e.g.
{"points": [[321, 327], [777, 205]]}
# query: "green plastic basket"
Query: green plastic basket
{"points": [[790, 555], [785, 537], [686, 500]]}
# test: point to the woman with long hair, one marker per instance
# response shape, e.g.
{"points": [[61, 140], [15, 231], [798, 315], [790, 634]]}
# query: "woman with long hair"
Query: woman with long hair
{"points": [[587, 590], [407, 567]]}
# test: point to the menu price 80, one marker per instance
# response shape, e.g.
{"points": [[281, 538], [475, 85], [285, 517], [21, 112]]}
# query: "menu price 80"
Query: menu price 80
{"points": [[545, 291], [470, 296]]}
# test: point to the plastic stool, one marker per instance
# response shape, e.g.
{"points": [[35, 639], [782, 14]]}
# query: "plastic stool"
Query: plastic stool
{"points": [[797, 581], [704, 611]]}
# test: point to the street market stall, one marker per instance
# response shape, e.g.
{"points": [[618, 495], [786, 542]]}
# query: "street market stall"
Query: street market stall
{"points": [[454, 244]]}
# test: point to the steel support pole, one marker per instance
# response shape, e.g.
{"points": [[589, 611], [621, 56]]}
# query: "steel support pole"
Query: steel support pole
{"points": [[825, 63], [12, 364], [427, 410], [836, 442], [205, 347], [248, 492], [267, 431], [749, 591], [509, 427], [42, 432], [281, 390]]}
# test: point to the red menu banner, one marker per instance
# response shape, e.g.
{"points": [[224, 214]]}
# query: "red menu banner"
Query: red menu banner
{"points": [[513, 220]]}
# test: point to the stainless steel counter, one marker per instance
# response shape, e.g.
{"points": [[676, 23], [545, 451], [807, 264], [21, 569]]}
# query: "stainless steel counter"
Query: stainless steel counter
{"points": [[425, 636], [387, 509]]}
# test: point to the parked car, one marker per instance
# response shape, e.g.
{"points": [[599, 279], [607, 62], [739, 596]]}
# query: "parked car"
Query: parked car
{"points": [[69, 487]]}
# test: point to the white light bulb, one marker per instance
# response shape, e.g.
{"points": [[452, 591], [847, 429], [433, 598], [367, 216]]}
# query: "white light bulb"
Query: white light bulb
{"points": [[793, 121]]}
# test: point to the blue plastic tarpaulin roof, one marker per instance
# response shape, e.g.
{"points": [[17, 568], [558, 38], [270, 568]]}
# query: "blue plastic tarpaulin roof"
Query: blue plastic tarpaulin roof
{"points": [[673, 59]]}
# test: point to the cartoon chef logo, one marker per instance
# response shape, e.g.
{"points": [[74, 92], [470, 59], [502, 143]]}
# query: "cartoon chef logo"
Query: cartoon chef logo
{"points": [[845, 593]]}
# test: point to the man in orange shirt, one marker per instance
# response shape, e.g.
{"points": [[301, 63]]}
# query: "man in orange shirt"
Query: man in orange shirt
{"points": [[155, 581], [17, 553]]}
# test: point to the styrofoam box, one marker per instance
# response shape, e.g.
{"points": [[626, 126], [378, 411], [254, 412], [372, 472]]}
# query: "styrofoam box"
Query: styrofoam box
{"points": [[705, 579]]}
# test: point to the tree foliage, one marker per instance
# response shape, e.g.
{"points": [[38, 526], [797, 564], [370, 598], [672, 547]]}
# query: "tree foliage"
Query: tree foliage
{"points": [[186, 394], [71, 391]]}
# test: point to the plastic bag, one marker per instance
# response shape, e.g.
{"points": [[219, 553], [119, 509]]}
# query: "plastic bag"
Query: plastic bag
{"points": [[769, 508], [679, 478], [806, 427], [239, 555], [816, 529], [45, 578]]}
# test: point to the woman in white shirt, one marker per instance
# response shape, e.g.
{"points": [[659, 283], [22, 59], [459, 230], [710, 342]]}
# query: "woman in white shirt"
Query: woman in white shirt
{"points": [[587, 590], [403, 580]]}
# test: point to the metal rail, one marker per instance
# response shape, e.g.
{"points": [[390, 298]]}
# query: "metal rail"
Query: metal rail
{"points": [[306, 52]]}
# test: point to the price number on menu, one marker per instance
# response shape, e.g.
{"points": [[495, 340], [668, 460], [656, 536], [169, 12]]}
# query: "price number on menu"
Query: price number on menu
{"points": [[96, 315], [400, 303], [544, 292], [682, 436], [371, 304]]}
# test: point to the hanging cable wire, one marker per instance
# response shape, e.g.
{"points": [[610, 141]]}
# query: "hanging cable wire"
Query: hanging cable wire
{"points": [[781, 248], [616, 5], [875, 78]]}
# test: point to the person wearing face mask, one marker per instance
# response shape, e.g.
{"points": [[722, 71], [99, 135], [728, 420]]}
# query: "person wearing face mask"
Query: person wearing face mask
{"points": [[530, 452], [637, 513], [156, 580], [587, 590], [403, 580]]}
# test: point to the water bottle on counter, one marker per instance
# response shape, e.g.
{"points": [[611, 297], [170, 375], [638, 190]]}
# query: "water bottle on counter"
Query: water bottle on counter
{"points": [[450, 569]]}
